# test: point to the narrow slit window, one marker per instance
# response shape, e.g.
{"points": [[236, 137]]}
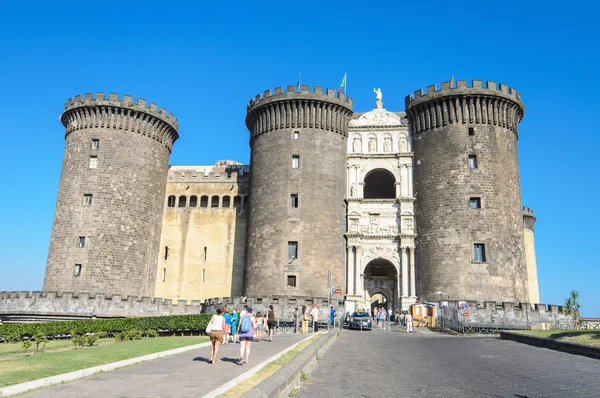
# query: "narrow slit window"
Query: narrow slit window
{"points": [[291, 280], [479, 253], [294, 200], [205, 253], [475, 203], [292, 250], [95, 143], [296, 135], [81, 242], [166, 252], [93, 162], [87, 199], [164, 274], [471, 130], [77, 271], [203, 274], [296, 161], [472, 161]]}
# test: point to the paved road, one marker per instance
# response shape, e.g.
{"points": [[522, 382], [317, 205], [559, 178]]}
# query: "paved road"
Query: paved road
{"points": [[399, 364], [183, 375]]}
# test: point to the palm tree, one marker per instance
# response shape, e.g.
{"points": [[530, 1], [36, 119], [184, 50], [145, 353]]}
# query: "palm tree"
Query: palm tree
{"points": [[572, 307]]}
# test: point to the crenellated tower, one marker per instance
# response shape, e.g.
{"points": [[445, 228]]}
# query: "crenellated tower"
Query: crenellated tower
{"points": [[108, 216], [532, 279], [470, 223], [297, 214]]}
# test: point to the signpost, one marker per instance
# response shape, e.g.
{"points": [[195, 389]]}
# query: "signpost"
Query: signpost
{"points": [[329, 284]]}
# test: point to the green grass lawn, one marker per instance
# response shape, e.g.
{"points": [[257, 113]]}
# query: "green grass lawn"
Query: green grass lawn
{"points": [[16, 368], [589, 337]]}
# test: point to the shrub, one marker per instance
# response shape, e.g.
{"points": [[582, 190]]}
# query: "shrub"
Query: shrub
{"points": [[172, 324], [151, 333], [26, 344]]}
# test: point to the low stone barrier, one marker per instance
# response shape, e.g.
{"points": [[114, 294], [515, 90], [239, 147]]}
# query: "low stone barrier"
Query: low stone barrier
{"points": [[553, 344]]}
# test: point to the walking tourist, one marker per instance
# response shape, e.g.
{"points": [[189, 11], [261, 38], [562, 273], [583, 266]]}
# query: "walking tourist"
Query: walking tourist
{"points": [[271, 321], [227, 330], [305, 319], [217, 325], [409, 320], [332, 316], [296, 320], [246, 333], [258, 326], [315, 318], [235, 318]]}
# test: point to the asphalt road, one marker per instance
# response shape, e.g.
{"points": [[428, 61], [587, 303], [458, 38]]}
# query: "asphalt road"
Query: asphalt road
{"points": [[398, 364]]}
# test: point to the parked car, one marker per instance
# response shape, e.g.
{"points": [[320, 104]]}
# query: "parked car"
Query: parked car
{"points": [[359, 320]]}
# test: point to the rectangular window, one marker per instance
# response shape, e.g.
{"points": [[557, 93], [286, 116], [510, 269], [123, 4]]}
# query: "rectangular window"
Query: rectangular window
{"points": [[87, 199], [294, 199], [472, 161], [166, 252], [475, 203], [292, 250], [93, 162], [95, 143], [164, 274], [77, 271], [479, 253], [296, 161], [291, 280], [296, 135], [471, 130], [81, 242]]}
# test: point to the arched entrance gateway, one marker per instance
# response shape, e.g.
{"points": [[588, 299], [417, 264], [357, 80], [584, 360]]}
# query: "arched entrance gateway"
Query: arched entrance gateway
{"points": [[381, 279]]}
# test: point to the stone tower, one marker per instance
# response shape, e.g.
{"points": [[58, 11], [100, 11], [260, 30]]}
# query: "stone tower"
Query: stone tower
{"points": [[468, 199], [108, 216], [297, 214], [532, 279]]}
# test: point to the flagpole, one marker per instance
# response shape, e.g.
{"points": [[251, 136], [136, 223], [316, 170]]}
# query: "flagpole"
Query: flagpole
{"points": [[345, 85]]}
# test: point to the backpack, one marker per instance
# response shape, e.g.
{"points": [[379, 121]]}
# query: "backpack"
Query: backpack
{"points": [[246, 324]]}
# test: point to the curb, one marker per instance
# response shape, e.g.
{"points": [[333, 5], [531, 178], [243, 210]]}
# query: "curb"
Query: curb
{"points": [[557, 345], [287, 378], [232, 383], [79, 374]]}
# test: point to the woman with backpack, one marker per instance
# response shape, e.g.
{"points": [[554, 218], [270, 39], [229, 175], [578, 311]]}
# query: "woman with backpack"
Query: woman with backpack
{"points": [[246, 334], [271, 321], [217, 326]]}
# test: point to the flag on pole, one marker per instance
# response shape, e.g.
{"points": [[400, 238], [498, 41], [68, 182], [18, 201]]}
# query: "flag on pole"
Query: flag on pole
{"points": [[299, 81], [343, 85], [452, 81]]}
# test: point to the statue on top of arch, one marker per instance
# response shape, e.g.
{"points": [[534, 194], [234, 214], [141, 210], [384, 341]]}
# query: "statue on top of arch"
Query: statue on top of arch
{"points": [[378, 98]]}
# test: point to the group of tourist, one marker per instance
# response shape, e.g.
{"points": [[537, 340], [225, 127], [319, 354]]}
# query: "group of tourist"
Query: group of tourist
{"points": [[304, 316], [403, 319]]}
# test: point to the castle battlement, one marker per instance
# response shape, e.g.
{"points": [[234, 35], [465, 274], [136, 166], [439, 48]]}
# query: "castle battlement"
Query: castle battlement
{"points": [[461, 88], [126, 102], [528, 218], [91, 305], [218, 173], [305, 93]]}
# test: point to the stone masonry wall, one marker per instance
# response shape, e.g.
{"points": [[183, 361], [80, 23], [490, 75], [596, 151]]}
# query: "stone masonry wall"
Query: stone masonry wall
{"points": [[122, 224], [318, 223], [448, 227]]}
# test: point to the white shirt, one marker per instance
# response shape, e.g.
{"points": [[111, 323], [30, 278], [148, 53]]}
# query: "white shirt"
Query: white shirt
{"points": [[315, 314]]}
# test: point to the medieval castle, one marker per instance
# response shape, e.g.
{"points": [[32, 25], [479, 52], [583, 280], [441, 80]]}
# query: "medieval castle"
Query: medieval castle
{"points": [[423, 204]]}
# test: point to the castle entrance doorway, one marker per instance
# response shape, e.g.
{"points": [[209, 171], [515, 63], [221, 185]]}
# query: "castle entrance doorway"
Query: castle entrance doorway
{"points": [[381, 283]]}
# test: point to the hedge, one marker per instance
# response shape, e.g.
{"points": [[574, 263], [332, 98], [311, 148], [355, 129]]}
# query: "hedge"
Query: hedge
{"points": [[173, 324]]}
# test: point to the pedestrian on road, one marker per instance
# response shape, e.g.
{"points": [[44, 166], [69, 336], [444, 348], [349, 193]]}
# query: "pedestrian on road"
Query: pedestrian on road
{"points": [[217, 323], [271, 321], [409, 321], [258, 326], [332, 316], [244, 311], [246, 333], [305, 319], [227, 330], [234, 325], [296, 320], [315, 318]]}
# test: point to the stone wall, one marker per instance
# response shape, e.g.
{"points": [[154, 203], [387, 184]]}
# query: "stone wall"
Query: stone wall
{"points": [[68, 304], [506, 313]]}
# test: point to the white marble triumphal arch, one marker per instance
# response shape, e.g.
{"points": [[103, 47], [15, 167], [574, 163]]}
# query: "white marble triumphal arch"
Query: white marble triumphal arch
{"points": [[381, 219]]}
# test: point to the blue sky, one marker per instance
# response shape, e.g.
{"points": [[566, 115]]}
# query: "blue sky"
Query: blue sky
{"points": [[204, 63]]}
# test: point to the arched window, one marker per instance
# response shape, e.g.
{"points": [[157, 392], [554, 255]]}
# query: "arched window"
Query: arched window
{"points": [[237, 201], [193, 201], [380, 184], [171, 201], [182, 201], [204, 201], [246, 201], [214, 202], [226, 201]]}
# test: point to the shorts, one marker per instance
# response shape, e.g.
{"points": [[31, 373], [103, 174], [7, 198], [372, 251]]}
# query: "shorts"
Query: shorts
{"points": [[227, 329], [216, 335], [271, 324], [246, 338]]}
